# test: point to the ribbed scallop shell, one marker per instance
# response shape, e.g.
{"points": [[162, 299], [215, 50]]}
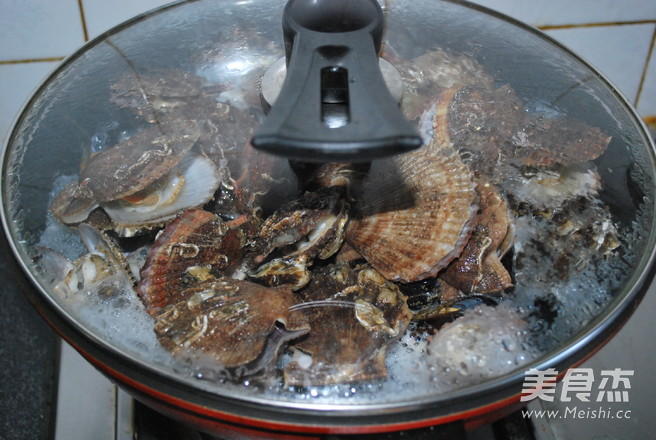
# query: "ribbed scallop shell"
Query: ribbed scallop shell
{"points": [[354, 315], [494, 126], [195, 247], [478, 269], [230, 321], [413, 215]]}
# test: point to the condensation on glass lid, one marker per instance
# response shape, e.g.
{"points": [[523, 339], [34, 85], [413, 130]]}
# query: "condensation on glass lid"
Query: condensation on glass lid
{"points": [[338, 282]]}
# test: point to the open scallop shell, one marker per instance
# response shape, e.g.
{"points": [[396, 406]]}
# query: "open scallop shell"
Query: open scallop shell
{"points": [[73, 204], [190, 184], [354, 315], [136, 163], [413, 215]]}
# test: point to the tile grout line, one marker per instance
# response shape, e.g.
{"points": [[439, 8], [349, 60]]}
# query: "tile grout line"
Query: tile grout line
{"points": [[643, 77], [550, 27], [83, 20], [31, 60]]}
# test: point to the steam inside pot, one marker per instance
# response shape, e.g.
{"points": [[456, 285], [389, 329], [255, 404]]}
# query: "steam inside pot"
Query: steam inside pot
{"points": [[495, 243]]}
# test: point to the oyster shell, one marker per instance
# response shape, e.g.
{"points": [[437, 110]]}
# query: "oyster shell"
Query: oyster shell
{"points": [[197, 246], [413, 214], [354, 315], [230, 321]]}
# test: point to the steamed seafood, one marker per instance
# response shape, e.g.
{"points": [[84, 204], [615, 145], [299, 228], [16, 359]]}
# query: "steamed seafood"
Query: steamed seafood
{"points": [[413, 215], [354, 315], [306, 274], [231, 322], [197, 246]]}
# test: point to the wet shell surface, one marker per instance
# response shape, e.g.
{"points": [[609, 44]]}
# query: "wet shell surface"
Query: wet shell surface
{"points": [[230, 321], [191, 184], [413, 215], [103, 269], [196, 247], [478, 268], [304, 226], [73, 204], [136, 163], [354, 315], [494, 127], [437, 70]]}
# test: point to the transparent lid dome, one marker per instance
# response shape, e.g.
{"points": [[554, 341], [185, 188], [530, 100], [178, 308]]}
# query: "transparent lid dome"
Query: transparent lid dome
{"points": [[134, 198]]}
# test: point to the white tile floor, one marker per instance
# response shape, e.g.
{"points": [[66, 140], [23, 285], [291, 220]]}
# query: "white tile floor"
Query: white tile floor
{"points": [[616, 37]]}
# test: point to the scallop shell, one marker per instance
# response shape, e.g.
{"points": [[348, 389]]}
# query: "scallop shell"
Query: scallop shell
{"points": [[479, 121], [437, 70], [494, 127], [546, 141], [136, 163], [413, 215], [73, 204], [195, 247], [305, 226], [291, 272], [478, 268], [354, 316], [102, 271], [190, 184], [228, 320], [159, 91]]}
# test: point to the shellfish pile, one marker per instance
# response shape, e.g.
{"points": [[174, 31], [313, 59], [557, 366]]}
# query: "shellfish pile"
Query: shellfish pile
{"points": [[308, 273]]}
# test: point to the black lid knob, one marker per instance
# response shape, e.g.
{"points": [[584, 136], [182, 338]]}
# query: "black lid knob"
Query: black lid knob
{"points": [[334, 104]]}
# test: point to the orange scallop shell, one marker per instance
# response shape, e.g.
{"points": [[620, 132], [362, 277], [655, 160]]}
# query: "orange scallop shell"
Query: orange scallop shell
{"points": [[194, 247], [228, 320], [413, 214]]}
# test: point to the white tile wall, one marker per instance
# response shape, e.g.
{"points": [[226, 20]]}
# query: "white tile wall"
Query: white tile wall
{"points": [[574, 12], [102, 15], [647, 100], [617, 51], [615, 36], [39, 28]]}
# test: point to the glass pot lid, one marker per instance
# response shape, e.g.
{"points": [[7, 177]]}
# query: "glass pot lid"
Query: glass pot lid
{"points": [[134, 198]]}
